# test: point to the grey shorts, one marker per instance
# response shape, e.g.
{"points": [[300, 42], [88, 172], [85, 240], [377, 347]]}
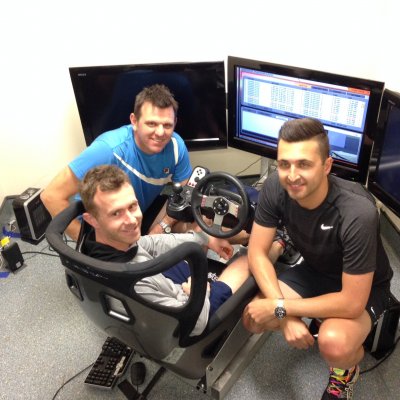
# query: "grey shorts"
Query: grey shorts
{"points": [[310, 283]]}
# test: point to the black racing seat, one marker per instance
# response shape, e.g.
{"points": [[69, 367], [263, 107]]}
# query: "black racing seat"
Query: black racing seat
{"points": [[105, 292]]}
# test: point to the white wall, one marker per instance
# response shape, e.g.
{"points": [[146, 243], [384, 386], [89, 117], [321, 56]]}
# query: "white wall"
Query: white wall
{"points": [[40, 129]]}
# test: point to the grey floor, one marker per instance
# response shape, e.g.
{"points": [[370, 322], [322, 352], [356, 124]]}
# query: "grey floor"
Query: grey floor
{"points": [[45, 340]]}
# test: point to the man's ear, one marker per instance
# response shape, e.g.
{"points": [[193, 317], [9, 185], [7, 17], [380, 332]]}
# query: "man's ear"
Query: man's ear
{"points": [[328, 165], [133, 120], [90, 219]]}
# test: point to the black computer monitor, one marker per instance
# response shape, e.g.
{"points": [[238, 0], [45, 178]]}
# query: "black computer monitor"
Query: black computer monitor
{"points": [[384, 175], [262, 96], [105, 97]]}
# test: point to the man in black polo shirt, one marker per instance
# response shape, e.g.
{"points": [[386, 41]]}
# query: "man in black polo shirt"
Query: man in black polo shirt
{"points": [[344, 280]]}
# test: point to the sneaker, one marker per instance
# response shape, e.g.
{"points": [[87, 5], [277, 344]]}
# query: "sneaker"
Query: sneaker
{"points": [[341, 387]]}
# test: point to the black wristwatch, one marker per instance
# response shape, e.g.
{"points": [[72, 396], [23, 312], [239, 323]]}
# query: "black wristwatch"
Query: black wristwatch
{"points": [[165, 227], [280, 311]]}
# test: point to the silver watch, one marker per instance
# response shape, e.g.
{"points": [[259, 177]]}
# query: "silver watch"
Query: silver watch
{"points": [[165, 227], [280, 310]]}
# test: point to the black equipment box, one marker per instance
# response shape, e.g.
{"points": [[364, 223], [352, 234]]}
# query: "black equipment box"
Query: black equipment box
{"points": [[31, 215], [13, 256], [382, 338]]}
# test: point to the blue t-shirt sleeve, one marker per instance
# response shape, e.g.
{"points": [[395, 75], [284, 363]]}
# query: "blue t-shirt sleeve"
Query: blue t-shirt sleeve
{"points": [[183, 169], [98, 153]]}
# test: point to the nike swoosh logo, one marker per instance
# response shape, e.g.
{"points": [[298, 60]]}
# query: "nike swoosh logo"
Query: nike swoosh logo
{"points": [[326, 227]]}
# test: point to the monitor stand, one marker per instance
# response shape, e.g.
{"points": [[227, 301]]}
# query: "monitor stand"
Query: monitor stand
{"points": [[268, 165]]}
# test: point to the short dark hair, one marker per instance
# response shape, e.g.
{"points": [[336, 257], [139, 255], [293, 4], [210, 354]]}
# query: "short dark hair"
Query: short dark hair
{"points": [[104, 177], [158, 95], [298, 130]]}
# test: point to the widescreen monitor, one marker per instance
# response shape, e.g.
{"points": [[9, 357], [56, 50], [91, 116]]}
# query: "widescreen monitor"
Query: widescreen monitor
{"points": [[384, 175], [105, 98], [262, 96]]}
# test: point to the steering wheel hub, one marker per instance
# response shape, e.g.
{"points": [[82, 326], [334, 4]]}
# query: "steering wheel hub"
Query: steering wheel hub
{"points": [[220, 206]]}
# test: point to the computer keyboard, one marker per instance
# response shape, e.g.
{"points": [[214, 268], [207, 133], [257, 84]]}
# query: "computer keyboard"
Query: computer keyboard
{"points": [[110, 364]]}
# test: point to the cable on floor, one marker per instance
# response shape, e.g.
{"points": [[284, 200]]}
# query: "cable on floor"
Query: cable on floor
{"points": [[70, 379]]}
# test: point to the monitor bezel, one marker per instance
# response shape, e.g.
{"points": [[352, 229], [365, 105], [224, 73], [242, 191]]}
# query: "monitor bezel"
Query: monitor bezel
{"points": [[389, 98], [193, 144], [343, 169]]}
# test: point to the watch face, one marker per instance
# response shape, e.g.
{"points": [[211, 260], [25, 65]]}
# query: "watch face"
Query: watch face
{"points": [[165, 227], [280, 312]]}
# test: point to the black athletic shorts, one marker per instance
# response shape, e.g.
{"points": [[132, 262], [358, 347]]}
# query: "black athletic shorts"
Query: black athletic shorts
{"points": [[310, 283]]}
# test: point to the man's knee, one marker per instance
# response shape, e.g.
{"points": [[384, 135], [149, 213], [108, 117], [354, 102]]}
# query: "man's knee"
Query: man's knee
{"points": [[335, 344]]}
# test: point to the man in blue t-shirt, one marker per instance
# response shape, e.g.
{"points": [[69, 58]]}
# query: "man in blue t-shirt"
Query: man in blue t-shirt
{"points": [[148, 150]]}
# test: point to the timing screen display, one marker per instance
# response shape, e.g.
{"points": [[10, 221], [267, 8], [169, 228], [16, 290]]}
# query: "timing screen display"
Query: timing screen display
{"points": [[266, 100]]}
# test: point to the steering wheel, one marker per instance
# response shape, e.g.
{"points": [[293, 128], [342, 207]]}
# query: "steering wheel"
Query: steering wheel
{"points": [[219, 202]]}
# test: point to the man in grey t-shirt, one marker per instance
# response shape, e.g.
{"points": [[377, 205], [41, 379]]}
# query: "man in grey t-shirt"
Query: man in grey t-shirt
{"points": [[113, 211]]}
